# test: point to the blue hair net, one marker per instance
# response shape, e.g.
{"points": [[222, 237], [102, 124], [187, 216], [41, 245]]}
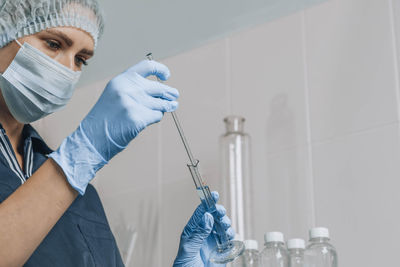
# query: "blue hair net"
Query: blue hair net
{"points": [[19, 18]]}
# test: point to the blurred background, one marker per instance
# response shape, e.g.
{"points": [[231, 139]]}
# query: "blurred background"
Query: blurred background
{"points": [[318, 84]]}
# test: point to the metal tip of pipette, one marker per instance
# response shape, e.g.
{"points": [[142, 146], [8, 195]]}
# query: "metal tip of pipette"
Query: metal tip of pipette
{"points": [[149, 56]]}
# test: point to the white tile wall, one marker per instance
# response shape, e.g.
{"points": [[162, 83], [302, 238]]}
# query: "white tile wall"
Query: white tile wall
{"points": [[319, 90], [268, 84], [356, 191], [137, 212], [268, 89], [286, 195], [131, 170], [350, 59], [394, 16]]}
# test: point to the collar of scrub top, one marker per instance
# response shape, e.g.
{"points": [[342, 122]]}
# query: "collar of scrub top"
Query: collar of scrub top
{"points": [[37, 141], [39, 145]]}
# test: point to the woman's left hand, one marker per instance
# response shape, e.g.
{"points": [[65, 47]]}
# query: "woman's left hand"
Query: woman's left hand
{"points": [[197, 242]]}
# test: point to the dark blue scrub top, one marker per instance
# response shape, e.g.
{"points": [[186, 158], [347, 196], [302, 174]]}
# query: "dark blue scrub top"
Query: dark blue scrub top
{"points": [[82, 236]]}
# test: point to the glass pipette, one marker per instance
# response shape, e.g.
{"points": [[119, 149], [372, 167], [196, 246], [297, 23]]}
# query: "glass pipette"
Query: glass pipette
{"points": [[226, 250]]}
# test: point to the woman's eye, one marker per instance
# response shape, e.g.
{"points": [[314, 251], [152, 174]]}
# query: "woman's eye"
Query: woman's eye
{"points": [[53, 45], [80, 61]]}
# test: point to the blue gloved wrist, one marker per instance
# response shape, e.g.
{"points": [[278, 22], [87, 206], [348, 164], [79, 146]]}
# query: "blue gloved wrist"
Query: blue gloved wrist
{"points": [[191, 243], [98, 132], [79, 160], [197, 240]]}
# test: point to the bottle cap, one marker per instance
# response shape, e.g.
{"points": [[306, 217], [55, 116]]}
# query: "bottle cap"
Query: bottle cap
{"points": [[296, 243], [319, 232], [251, 244], [273, 237], [234, 124]]}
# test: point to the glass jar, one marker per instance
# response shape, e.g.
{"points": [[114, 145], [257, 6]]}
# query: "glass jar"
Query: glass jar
{"points": [[236, 183]]}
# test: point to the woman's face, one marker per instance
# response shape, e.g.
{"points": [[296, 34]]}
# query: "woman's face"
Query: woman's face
{"points": [[69, 46]]}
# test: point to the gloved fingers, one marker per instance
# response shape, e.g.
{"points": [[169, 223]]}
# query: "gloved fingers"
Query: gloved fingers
{"points": [[191, 244], [203, 229], [230, 233], [225, 222], [221, 211], [146, 68], [158, 115], [215, 196], [197, 215], [156, 89], [161, 104], [207, 222], [194, 220], [153, 117]]}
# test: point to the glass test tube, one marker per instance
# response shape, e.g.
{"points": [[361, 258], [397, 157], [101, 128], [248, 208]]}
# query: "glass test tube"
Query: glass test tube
{"points": [[208, 201]]}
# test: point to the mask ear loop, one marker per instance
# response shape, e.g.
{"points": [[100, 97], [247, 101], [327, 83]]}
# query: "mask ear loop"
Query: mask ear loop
{"points": [[18, 43]]}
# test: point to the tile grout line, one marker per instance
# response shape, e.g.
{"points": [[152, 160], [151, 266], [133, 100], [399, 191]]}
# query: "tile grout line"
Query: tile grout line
{"points": [[228, 75], [159, 192], [395, 56], [354, 133], [308, 118]]}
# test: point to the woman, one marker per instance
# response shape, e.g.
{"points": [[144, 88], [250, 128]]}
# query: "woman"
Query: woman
{"points": [[49, 213]]}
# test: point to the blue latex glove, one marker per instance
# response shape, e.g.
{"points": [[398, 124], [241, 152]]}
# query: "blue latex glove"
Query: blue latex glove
{"points": [[197, 242], [129, 104]]}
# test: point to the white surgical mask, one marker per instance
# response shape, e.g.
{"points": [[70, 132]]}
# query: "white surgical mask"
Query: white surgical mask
{"points": [[35, 85]]}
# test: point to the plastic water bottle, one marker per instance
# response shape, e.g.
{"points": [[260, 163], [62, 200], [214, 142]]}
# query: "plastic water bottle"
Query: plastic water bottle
{"points": [[296, 249], [250, 257], [274, 253], [319, 252]]}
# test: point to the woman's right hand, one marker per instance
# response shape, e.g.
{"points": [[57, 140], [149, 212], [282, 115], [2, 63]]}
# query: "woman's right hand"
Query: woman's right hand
{"points": [[129, 104]]}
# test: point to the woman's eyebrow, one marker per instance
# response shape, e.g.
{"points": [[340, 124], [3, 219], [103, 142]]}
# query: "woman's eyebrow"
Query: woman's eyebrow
{"points": [[69, 42], [62, 35], [87, 52]]}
